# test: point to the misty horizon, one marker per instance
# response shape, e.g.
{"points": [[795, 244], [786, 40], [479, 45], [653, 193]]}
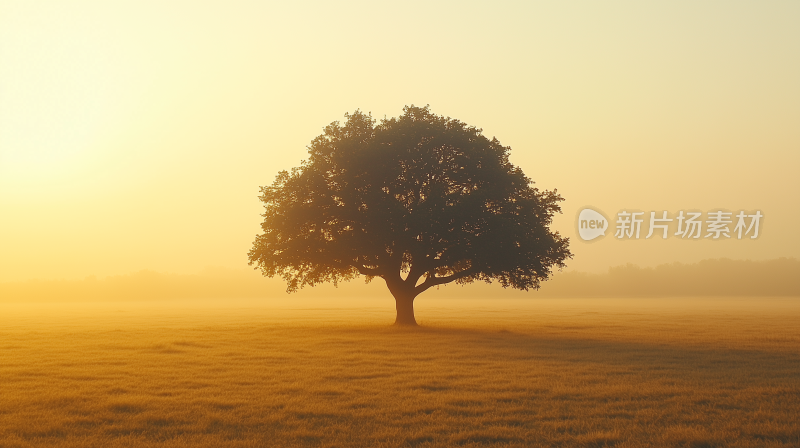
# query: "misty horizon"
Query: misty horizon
{"points": [[713, 277]]}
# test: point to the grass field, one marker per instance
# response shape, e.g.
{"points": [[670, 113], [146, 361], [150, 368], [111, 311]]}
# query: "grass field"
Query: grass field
{"points": [[567, 372]]}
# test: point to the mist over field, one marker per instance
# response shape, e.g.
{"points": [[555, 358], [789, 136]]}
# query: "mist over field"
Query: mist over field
{"points": [[228, 359], [717, 278]]}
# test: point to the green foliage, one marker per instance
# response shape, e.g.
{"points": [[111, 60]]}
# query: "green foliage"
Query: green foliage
{"points": [[420, 194]]}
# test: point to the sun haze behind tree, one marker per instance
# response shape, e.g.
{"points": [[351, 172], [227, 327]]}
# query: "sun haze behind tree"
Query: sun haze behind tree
{"points": [[419, 200]]}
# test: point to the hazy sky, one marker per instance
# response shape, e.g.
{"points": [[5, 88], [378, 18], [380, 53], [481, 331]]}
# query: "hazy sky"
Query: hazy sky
{"points": [[134, 135]]}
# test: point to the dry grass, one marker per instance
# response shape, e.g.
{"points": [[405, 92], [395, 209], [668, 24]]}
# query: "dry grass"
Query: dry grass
{"points": [[590, 373]]}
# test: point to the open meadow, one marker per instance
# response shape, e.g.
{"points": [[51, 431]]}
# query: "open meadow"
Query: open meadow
{"points": [[701, 372]]}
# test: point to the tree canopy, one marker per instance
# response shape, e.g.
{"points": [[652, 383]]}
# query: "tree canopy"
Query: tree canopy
{"points": [[419, 200]]}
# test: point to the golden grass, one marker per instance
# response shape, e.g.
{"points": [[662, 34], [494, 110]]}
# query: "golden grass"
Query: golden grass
{"points": [[566, 372]]}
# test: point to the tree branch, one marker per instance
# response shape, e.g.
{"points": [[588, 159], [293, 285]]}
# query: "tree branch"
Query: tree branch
{"points": [[434, 281], [413, 275], [363, 270]]}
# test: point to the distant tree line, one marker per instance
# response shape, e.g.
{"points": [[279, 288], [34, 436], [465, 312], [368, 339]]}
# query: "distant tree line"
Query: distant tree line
{"points": [[717, 277]]}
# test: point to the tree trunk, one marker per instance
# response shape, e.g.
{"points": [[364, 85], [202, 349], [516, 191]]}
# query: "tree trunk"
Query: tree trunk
{"points": [[405, 310]]}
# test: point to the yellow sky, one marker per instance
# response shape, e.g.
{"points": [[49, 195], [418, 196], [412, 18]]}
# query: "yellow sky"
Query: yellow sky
{"points": [[135, 135]]}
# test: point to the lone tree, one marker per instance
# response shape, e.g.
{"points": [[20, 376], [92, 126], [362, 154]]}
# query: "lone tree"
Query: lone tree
{"points": [[419, 200]]}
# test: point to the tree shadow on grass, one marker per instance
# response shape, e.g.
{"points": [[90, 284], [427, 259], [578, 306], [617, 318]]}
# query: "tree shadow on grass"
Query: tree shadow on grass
{"points": [[697, 358]]}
